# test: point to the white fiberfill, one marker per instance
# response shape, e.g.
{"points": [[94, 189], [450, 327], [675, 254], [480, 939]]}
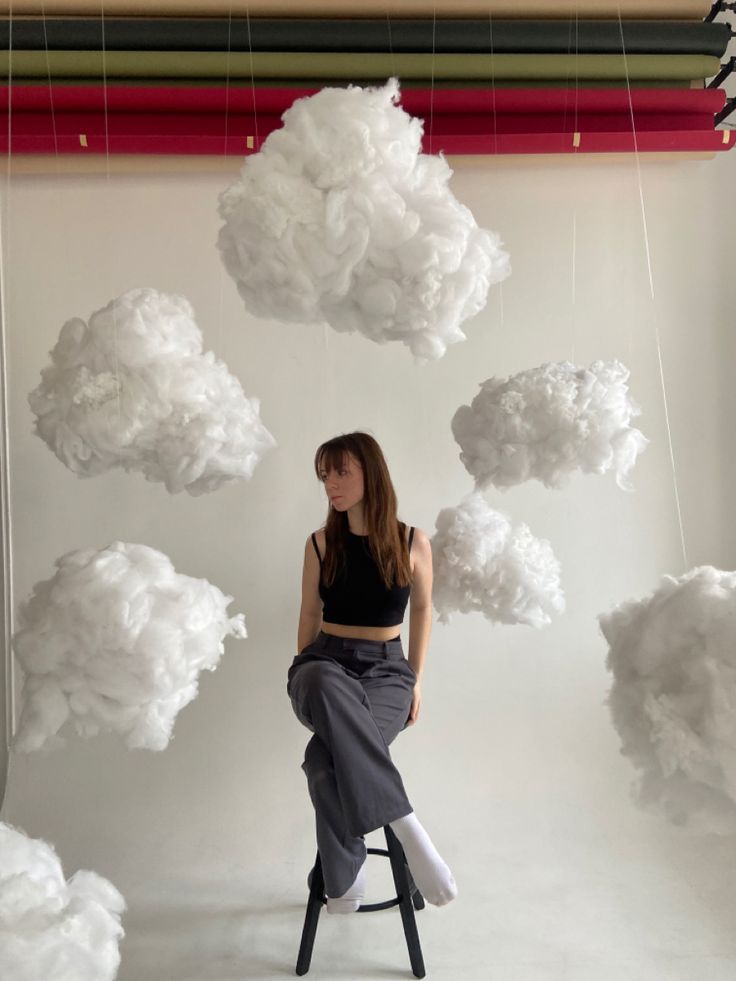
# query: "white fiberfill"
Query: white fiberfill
{"points": [[114, 642], [341, 218]]}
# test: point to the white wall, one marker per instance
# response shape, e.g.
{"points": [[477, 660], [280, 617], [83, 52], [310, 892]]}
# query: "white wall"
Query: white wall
{"points": [[514, 765]]}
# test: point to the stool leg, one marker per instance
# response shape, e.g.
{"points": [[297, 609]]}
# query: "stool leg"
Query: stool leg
{"points": [[403, 891], [416, 897], [314, 906]]}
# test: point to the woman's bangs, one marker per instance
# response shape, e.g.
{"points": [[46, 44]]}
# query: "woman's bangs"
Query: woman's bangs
{"points": [[331, 456]]}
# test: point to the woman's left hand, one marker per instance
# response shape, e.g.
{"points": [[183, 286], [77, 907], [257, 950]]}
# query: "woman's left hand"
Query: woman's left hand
{"points": [[416, 702]]}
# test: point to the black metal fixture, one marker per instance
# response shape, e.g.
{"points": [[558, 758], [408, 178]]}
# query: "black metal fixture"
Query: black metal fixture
{"points": [[717, 7]]}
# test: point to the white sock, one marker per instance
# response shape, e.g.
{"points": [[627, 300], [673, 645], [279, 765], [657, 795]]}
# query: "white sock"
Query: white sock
{"points": [[428, 870], [351, 900]]}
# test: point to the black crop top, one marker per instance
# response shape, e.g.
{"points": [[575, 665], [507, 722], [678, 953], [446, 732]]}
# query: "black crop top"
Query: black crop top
{"points": [[358, 596]]}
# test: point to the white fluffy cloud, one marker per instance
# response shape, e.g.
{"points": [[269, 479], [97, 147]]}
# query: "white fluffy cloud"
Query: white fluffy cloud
{"points": [[548, 422], [341, 218], [115, 642], [482, 563], [133, 389], [673, 699], [51, 929]]}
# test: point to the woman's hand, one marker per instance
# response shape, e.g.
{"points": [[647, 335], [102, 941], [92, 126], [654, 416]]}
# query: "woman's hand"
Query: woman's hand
{"points": [[416, 702]]}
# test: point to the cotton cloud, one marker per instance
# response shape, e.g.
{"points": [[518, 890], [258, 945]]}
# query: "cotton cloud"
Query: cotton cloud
{"points": [[133, 389], [51, 929], [548, 422], [341, 218], [482, 563], [114, 642], [673, 699]]}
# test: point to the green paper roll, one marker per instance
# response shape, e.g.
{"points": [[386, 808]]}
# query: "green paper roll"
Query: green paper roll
{"points": [[279, 64], [314, 34]]}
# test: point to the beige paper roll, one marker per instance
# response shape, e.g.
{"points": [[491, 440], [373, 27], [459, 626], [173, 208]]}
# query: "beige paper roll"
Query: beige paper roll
{"points": [[138, 164], [521, 9]]}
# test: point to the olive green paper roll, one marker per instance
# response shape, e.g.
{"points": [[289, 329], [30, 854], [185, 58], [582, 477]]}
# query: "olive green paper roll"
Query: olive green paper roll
{"points": [[523, 9], [299, 64], [573, 84]]}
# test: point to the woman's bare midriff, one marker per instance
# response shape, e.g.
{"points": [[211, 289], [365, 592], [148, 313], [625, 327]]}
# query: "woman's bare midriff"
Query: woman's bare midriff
{"points": [[362, 633]]}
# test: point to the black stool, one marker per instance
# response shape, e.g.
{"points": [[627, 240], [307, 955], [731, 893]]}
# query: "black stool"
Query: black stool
{"points": [[407, 898]]}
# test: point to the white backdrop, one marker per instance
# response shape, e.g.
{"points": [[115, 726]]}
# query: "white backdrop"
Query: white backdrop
{"points": [[514, 766]]}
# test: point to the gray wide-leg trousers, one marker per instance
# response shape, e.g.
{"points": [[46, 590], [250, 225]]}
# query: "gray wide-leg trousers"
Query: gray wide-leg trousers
{"points": [[355, 696]]}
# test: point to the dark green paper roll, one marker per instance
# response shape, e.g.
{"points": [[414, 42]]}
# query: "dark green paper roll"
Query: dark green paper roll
{"points": [[386, 35]]}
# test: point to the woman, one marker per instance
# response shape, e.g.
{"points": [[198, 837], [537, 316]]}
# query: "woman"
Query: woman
{"points": [[351, 684]]}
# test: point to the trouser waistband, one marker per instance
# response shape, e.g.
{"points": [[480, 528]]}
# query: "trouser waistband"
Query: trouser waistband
{"points": [[332, 643]]}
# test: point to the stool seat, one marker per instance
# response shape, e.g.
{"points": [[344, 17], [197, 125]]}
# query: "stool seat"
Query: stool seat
{"points": [[407, 898]]}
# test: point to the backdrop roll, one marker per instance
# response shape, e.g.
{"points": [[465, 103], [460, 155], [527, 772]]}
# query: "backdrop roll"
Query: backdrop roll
{"points": [[315, 34], [665, 9], [219, 99], [296, 64]]}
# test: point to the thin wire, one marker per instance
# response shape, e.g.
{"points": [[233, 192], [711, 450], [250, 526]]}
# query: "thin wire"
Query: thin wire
{"points": [[107, 173], [573, 326], [221, 314], [390, 45], [5, 491], [669, 443], [651, 291], [636, 155], [104, 89], [493, 84], [48, 72], [252, 81], [577, 73], [495, 131], [431, 91], [227, 74], [574, 274]]}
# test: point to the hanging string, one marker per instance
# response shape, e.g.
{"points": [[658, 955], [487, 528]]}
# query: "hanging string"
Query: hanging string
{"points": [[636, 155], [390, 45], [494, 119], [252, 82], [573, 319], [493, 85], [431, 90], [104, 90], [227, 73], [221, 312], [51, 89], [107, 179], [651, 292], [5, 491], [574, 274], [7, 533]]}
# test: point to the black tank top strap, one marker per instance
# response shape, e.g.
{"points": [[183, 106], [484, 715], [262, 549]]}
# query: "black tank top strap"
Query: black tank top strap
{"points": [[316, 548], [411, 537]]}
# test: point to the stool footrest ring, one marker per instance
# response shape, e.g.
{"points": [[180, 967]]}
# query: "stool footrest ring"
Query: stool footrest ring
{"points": [[408, 898]]}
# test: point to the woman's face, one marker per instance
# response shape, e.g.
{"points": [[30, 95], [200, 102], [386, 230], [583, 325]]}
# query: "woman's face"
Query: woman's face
{"points": [[344, 486]]}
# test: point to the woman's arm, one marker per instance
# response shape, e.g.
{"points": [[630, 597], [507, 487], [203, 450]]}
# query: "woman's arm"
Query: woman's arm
{"points": [[310, 615], [420, 614]]}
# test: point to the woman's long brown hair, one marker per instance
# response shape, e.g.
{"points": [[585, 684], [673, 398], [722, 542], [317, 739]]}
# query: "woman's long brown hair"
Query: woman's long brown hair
{"points": [[386, 534]]}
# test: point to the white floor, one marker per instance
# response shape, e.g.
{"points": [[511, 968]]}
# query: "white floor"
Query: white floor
{"points": [[580, 888], [561, 876], [536, 916]]}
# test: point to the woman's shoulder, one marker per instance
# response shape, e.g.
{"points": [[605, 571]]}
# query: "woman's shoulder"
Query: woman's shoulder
{"points": [[419, 540], [319, 535], [416, 534]]}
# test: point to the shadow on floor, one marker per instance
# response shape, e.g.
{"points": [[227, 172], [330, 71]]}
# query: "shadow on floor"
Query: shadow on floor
{"points": [[225, 942]]}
